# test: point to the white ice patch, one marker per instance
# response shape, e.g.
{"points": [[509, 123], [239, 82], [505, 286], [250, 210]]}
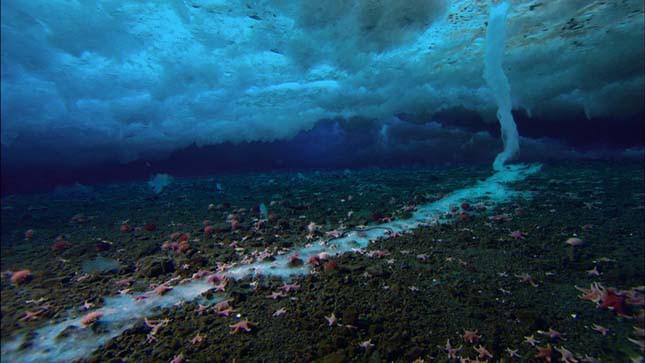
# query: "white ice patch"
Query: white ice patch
{"points": [[121, 312]]}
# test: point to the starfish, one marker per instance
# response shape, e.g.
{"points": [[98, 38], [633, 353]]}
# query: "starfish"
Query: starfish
{"points": [[452, 352], [154, 325], [593, 294], [242, 325], [483, 352], [224, 304], [279, 312], [593, 272], [221, 287], [225, 312], [331, 320], [31, 315], [162, 289], [289, 287], [35, 301], [526, 278], [276, 295], [544, 352], [470, 336], [378, 253], [531, 340], [517, 235], [512, 353], [198, 339], [366, 344], [552, 334], [334, 233], [567, 356], [201, 309], [600, 329]]}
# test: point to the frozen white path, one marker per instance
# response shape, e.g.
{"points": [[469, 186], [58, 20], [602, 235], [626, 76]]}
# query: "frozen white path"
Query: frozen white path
{"points": [[121, 312]]}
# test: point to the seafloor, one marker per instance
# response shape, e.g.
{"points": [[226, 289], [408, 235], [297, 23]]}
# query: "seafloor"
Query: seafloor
{"points": [[506, 273]]}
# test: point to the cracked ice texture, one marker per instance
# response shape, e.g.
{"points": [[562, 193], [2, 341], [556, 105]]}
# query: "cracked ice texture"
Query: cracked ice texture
{"points": [[87, 81]]}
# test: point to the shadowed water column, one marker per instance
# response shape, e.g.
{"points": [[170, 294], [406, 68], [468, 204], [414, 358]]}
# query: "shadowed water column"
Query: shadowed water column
{"points": [[498, 83]]}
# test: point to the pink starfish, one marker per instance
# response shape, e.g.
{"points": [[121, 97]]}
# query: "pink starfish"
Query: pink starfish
{"points": [[154, 325], [200, 274], [294, 260], [162, 289], [242, 325], [483, 352], [366, 344], [225, 312], [201, 309], [222, 305], [91, 318], [216, 277], [517, 235], [452, 352], [552, 334], [32, 315], [289, 287], [221, 287], [567, 356], [378, 253], [124, 282]]}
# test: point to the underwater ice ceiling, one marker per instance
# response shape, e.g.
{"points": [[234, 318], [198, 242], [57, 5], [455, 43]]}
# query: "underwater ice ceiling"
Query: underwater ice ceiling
{"points": [[122, 80]]}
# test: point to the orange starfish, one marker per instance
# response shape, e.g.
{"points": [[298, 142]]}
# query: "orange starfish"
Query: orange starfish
{"points": [[471, 336], [544, 352]]}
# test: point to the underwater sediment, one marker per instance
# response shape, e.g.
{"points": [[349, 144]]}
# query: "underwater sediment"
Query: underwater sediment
{"points": [[488, 268]]}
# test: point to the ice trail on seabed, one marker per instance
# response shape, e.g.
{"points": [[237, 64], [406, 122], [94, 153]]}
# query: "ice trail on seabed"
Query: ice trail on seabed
{"points": [[47, 344]]}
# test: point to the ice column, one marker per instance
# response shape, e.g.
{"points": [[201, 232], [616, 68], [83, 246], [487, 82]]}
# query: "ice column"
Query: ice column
{"points": [[498, 83]]}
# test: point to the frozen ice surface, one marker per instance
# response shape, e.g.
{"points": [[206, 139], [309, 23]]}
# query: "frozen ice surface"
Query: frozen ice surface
{"points": [[129, 79]]}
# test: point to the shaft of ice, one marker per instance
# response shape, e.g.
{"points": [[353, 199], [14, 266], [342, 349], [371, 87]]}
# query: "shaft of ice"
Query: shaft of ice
{"points": [[498, 83]]}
